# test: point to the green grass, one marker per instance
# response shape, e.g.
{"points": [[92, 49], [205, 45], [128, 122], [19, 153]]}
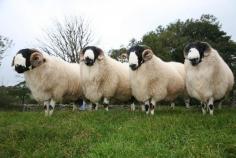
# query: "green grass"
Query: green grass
{"points": [[119, 133]]}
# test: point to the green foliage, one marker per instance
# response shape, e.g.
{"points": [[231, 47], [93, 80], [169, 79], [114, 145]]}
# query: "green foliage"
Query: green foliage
{"points": [[168, 42], [117, 53], [133, 42], [15, 95], [119, 133], [5, 43]]}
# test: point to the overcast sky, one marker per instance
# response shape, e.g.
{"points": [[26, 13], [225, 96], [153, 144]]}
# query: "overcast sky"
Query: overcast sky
{"points": [[114, 23]]}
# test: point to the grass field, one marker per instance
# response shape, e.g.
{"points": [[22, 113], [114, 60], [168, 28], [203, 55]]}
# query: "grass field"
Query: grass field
{"points": [[119, 133]]}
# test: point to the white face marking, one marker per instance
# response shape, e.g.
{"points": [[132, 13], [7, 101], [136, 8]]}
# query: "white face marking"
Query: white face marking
{"points": [[20, 60], [133, 59], [193, 53], [89, 53]]}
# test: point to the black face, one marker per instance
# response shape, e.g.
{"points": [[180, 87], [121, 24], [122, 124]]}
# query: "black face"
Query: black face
{"points": [[20, 69], [21, 61], [136, 60], [91, 54], [200, 48]]}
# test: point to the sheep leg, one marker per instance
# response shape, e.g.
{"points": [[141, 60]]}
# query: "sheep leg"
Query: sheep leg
{"points": [[146, 104], [51, 107], [106, 103], [46, 107], [74, 107], [142, 107], [203, 108], [220, 104], [89, 107], [132, 107], [187, 102], [172, 105], [152, 106], [95, 106], [210, 105]]}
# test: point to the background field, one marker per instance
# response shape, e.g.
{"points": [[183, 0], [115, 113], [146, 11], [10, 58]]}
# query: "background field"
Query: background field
{"points": [[119, 133]]}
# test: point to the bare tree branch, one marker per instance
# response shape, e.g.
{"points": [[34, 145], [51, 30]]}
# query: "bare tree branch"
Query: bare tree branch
{"points": [[67, 39], [5, 43]]}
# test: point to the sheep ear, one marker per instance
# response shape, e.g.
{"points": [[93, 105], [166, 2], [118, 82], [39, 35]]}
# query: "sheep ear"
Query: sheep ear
{"points": [[101, 54], [12, 63], [205, 48], [147, 54], [36, 59]]}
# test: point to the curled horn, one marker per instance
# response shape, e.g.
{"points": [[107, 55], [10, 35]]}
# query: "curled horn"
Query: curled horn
{"points": [[101, 53], [147, 54], [36, 59], [205, 47]]}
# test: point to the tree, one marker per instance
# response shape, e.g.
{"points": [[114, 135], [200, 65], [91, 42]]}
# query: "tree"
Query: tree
{"points": [[117, 53], [67, 39], [133, 42], [21, 91], [168, 42], [121, 53], [15, 95], [5, 43]]}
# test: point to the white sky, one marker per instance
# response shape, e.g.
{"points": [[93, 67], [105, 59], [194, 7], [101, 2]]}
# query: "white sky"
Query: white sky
{"points": [[114, 23]]}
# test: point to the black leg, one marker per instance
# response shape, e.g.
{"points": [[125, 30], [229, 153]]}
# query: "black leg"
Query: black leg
{"points": [[105, 105], [146, 108], [151, 106], [204, 108], [94, 106], [50, 107], [211, 109]]}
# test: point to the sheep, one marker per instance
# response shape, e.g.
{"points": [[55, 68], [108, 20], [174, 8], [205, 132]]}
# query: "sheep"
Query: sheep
{"points": [[49, 78], [103, 77], [208, 77], [152, 79]]}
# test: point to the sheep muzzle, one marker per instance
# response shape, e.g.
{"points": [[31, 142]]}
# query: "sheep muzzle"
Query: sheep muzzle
{"points": [[88, 61], [195, 61], [20, 69]]}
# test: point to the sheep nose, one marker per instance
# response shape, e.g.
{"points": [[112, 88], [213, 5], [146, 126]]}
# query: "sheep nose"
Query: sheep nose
{"points": [[194, 61], [133, 66], [88, 61], [20, 69]]}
